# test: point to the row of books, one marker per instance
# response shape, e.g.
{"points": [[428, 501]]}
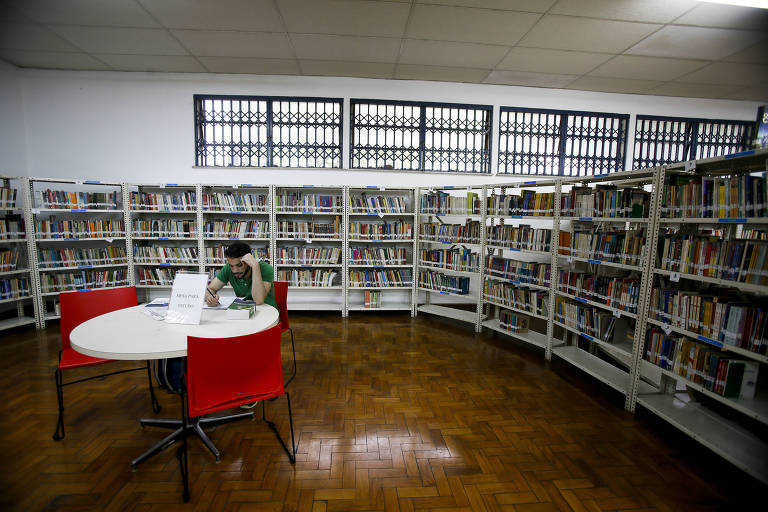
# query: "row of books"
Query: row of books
{"points": [[160, 254], [442, 202], [9, 259], [14, 288], [164, 228], [617, 246], [453, 259], [523, 271], [617, 292], [744, 261], [513, 321], [69, 257], [304, 229], [725, 317], [304, 202], [11, 228], [381, 230], [595, 322], [702, 364], [377, 204], [308, 255], [378, 255], [236, 228], [443, 283], [235, 201], [689, 196], [80, 228], [308, 278], [468, 233], [380, 278], [82, 280], [148, 276], [528, 203], [522, 237], [372, 299], [605, 201], [161, 201], [60, 199], [7, 197], [507, 294]]}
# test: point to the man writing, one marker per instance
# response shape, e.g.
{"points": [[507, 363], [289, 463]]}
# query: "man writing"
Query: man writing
{"points": [[250, 279]]}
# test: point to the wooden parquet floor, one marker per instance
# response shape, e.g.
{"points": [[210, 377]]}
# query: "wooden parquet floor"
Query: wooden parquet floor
{"points": [[391, 414]]}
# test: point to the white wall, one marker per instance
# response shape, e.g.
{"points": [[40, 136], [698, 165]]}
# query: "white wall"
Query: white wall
{"points": [[12, 131], [138, 127]]}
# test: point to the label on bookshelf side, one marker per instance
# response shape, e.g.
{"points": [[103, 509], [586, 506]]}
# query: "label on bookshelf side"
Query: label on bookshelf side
{"points": [[235, 185], [529, 183], [584, 301], [585, 218], [597, 262], [710, 341], [590, 338], [617, 313], [690, 166], [666, 328], [734, 220], [674, 277]]}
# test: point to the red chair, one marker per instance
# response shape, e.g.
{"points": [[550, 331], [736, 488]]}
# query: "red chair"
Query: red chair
{"points": [[76, 308], [223, 373], [281, 297]]}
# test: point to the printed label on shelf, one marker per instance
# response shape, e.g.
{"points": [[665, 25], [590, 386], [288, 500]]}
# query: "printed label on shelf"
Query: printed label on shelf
{"points": [[690, 166], [674, 277], [78, 182], [666, 328], [382, 188], [734, 220], [617, 313], [309, 240]]}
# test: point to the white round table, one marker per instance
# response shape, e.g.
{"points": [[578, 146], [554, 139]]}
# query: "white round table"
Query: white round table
{"points": [[130, 334]]}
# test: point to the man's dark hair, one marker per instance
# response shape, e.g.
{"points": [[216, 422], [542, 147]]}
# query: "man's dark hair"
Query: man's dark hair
{"points": [[237, 250]]}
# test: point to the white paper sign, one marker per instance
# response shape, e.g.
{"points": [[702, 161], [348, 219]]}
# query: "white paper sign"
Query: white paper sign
{"points": [[187, 297]]}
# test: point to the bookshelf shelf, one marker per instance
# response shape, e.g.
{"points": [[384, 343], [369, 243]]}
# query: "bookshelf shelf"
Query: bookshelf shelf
{"points": [[517, 282], [532, 337], [16, 299], [493, 301], [457, 314], [618, 220], [377, 265], [710, 221], [10, 323], [603, 371], [81, 267], [616, 312], [605, 263], [15, 272], [380, 308], [746, 287], [444, 270]]}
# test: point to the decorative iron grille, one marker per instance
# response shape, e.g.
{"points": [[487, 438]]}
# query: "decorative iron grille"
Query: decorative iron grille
{"points": [[666, 140], [420, 136], [561, 142], [254, 131]]}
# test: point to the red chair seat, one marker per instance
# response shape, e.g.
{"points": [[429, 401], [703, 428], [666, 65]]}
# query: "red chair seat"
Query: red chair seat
{"points": [[70, 358]]}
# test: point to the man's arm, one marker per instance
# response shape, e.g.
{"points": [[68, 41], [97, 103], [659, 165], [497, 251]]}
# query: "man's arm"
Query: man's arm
{"points": [[212, 299], [259, 288]]}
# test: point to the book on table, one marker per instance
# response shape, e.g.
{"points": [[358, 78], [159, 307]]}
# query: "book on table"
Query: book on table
{"points": [[241, 309]]}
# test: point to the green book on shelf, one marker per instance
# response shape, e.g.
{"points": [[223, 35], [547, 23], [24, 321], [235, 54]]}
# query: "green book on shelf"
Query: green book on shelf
{"points": [[241, 309]]}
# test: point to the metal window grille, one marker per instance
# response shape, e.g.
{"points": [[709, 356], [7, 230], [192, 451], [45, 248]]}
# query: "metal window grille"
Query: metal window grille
{"points": [[560, 142], [665, 140], [420, 136], [252, 131]]}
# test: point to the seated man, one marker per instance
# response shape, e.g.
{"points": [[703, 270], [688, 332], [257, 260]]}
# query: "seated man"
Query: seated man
{"points": [[251, 279]]}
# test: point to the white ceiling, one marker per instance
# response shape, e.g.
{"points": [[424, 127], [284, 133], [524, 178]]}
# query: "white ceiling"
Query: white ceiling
{"points": [[661, 47]]}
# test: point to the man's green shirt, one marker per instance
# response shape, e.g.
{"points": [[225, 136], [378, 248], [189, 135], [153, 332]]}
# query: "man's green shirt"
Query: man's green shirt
{"points": [[242, 287]]}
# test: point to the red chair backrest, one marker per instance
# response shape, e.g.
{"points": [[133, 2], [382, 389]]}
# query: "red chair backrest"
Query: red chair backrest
{"points": [[77, 307], [223, 373], [281, 297]]}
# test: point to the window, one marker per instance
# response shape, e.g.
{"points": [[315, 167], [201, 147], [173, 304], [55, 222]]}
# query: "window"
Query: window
{"points": [[561, 142], [252, 131], [420, 136], [665, 140]]}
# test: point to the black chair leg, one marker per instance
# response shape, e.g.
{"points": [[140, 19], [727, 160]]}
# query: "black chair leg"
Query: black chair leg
{"points": [[181, 453], [155, 403], [293, 348], [290, 452], [58, 435]]}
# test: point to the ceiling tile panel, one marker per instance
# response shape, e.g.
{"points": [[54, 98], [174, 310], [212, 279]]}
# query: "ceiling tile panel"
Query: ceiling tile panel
{"points": [[695, 42], [250, 66], [620, 85], [212, 43], [439, 53], [551, 61], [750, 94], [440, 73], [509, 5], [470, 25], [163, 63], [586, 34], [255, 15], [728, 73], [385, 19], [693, 90], [345, 68], [725, 16], [115, 13], [32, 38], [529, 79], [755, 54], [137, 41], [359, 49], [52, 60], [647, 68], [652, 11]]}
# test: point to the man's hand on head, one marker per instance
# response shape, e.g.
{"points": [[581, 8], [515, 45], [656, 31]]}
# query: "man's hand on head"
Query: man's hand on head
{"points": [[249, 260]]}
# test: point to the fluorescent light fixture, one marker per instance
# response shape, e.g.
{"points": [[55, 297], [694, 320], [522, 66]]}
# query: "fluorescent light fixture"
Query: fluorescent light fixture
{"points": [[760, 4]]}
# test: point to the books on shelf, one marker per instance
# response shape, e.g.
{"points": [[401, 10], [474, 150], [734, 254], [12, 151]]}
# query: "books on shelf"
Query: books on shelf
{"points": [[308, 255], [236, 229], [525, 299], [300, 202], [82, 280], [589, 320], [235, 202], [148, 276], [11, 227], [60, 199], [183, 200], [398, 230], [375, 278], [160, 254], [617, 292], [372, 299], [305, 229], [513, 321], [523, 271], [443, 283], [528, 203], [373, 205], [164, 228], [615, 245], [695, 196], [440, 202], [368, 255], [311, 278], [606, 201], [8, 197], [522, 237], [9, 259], [106, 228], [467, 233], [453, 259], [75, 257], [15, 288]]}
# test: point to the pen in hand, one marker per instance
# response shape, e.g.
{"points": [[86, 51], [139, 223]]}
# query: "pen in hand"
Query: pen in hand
{"points": [[214, 297]]}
